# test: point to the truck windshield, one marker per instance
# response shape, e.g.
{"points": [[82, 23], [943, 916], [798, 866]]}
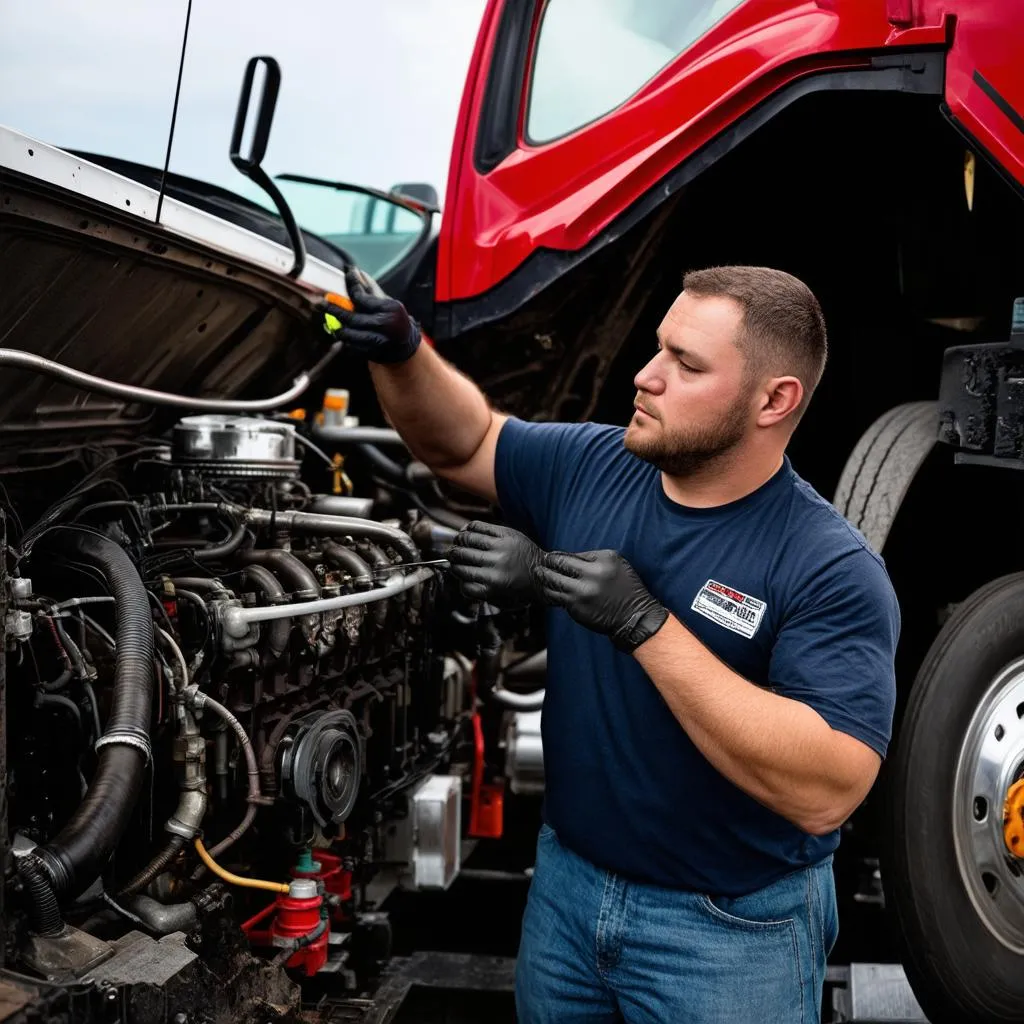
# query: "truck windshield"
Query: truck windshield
{"points": [[592, 55]]}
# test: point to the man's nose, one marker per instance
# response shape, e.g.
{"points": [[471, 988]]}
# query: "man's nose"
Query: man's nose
{"points": [[649, 380]]}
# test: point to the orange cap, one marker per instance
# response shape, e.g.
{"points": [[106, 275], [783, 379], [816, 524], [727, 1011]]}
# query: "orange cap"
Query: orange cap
{"points": [[337, 401], [339, 300]]}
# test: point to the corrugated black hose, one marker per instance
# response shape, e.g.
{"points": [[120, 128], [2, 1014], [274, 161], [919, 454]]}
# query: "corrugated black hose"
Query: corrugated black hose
{"points": [[43, 912], [75, 857]]}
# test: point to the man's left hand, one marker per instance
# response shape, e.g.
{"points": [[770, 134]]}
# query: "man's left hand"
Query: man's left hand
{"points": [[601, 591]]}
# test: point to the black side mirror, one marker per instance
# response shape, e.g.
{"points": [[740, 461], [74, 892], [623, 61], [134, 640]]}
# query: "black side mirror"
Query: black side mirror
{"points": [[250, 164], [422, 192]]}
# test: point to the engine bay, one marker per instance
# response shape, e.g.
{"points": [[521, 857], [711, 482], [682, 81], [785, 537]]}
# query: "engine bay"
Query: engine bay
{"points": [[244, 704]]}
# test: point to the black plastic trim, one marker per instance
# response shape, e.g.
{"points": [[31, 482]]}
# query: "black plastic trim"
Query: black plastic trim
{"points": [[499, 115], [918, 72], [999, 100]]}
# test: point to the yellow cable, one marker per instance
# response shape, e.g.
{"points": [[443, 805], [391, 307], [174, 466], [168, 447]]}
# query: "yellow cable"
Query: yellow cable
{"points": [[248, 883]]}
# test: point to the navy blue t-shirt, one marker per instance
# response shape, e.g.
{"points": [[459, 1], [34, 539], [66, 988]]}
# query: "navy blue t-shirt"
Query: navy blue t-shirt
{"points": [[777, 585]]}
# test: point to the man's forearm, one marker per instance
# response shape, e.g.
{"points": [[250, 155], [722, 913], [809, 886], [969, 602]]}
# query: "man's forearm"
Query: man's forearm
{"points": [[440, 413], [780, 751]]}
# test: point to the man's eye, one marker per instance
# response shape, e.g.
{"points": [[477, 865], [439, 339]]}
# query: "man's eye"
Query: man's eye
{"points": [[689, 369]]}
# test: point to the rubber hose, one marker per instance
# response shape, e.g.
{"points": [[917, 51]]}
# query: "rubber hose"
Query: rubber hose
{"points": [[59, 683], [80, 851], [154, 867], [43, 911], [285, 566], [56, 701], [279, 630], [383, 464], [216, 552], [345, 558]]}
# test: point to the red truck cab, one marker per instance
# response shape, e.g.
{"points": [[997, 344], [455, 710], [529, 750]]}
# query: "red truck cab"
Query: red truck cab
{"points": [[874, 148]]}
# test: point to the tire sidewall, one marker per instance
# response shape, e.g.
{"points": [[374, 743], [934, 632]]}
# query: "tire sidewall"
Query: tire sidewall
{"points": [[959, 970]]}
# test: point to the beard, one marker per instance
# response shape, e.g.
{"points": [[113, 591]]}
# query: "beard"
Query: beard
{"points": [[686, 452]]}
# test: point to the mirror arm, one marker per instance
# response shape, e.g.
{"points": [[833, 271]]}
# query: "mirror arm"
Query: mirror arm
{"points": [[250, 165]]}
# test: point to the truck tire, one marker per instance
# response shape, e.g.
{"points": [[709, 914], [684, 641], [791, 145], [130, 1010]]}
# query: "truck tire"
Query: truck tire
{"points": [[882, 465], [956, 892]]}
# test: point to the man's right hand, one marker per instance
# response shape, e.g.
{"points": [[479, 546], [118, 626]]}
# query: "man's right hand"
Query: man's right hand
{"points": [[494, 563], [378, 327]]}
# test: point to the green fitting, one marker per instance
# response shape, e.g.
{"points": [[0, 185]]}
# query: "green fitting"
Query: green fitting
{"points": [[306, 864]]}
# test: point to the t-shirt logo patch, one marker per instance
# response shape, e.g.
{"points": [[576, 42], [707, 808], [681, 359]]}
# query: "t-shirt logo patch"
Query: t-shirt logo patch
{"points": [[729, 608]]}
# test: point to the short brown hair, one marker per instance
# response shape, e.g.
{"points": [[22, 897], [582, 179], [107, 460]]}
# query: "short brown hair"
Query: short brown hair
{"points": [[783, 330]]}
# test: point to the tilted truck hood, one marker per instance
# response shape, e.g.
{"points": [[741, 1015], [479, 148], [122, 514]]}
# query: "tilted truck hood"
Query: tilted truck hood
{"points": [[193, 304]]}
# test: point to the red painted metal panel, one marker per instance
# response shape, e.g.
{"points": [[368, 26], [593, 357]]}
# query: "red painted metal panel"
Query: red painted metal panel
{"points": [[561, 194]]}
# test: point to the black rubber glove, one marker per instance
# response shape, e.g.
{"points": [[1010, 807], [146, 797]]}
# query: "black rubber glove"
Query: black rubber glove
{"points": [[601, 591], [378, 328], [494, 563]]}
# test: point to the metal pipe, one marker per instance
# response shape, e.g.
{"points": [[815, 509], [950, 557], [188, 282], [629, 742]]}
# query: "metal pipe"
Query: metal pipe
{"points": [[518, 701], [340, 505], [278, 634], [129, 392], [236, 621], [381, 567], [178, 656], [164, 918], [300, 578], [531, 667], [311, 522], [200, 583], [341, 557], [199, 701], [359, 435]]}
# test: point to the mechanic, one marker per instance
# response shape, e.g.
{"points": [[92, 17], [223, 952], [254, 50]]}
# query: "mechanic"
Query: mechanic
{"points": [[720, 655]]}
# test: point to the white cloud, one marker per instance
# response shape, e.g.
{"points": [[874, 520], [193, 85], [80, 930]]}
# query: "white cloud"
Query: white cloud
{"points": [[370, 92]]}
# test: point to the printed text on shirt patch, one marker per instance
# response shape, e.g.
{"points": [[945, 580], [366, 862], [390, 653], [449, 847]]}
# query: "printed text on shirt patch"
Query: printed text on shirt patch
{"points": [[729, 608]]}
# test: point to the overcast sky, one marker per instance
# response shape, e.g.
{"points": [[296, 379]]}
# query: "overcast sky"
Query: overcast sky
{"points": [[370, 90]]}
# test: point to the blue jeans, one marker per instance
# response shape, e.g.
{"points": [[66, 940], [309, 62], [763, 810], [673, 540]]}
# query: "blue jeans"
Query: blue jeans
{"points": [[596, 948]]}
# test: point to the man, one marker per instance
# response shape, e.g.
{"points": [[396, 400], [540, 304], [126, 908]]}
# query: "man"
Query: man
{"points": [[720, 656]]}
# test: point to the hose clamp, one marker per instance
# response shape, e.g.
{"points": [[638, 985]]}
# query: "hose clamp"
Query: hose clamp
{"points": [[126, 739]]}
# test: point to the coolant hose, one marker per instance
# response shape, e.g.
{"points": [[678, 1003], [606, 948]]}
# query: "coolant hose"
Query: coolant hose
{"points": [[383, 464], [217, 552], [43, 912], [80, 851]]}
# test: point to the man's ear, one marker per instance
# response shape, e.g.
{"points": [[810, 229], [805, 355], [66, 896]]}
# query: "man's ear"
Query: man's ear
{"points": [[780, 398]]}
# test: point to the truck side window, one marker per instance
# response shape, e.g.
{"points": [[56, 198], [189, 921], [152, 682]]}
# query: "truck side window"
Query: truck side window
{"points": [[592, 55]]}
